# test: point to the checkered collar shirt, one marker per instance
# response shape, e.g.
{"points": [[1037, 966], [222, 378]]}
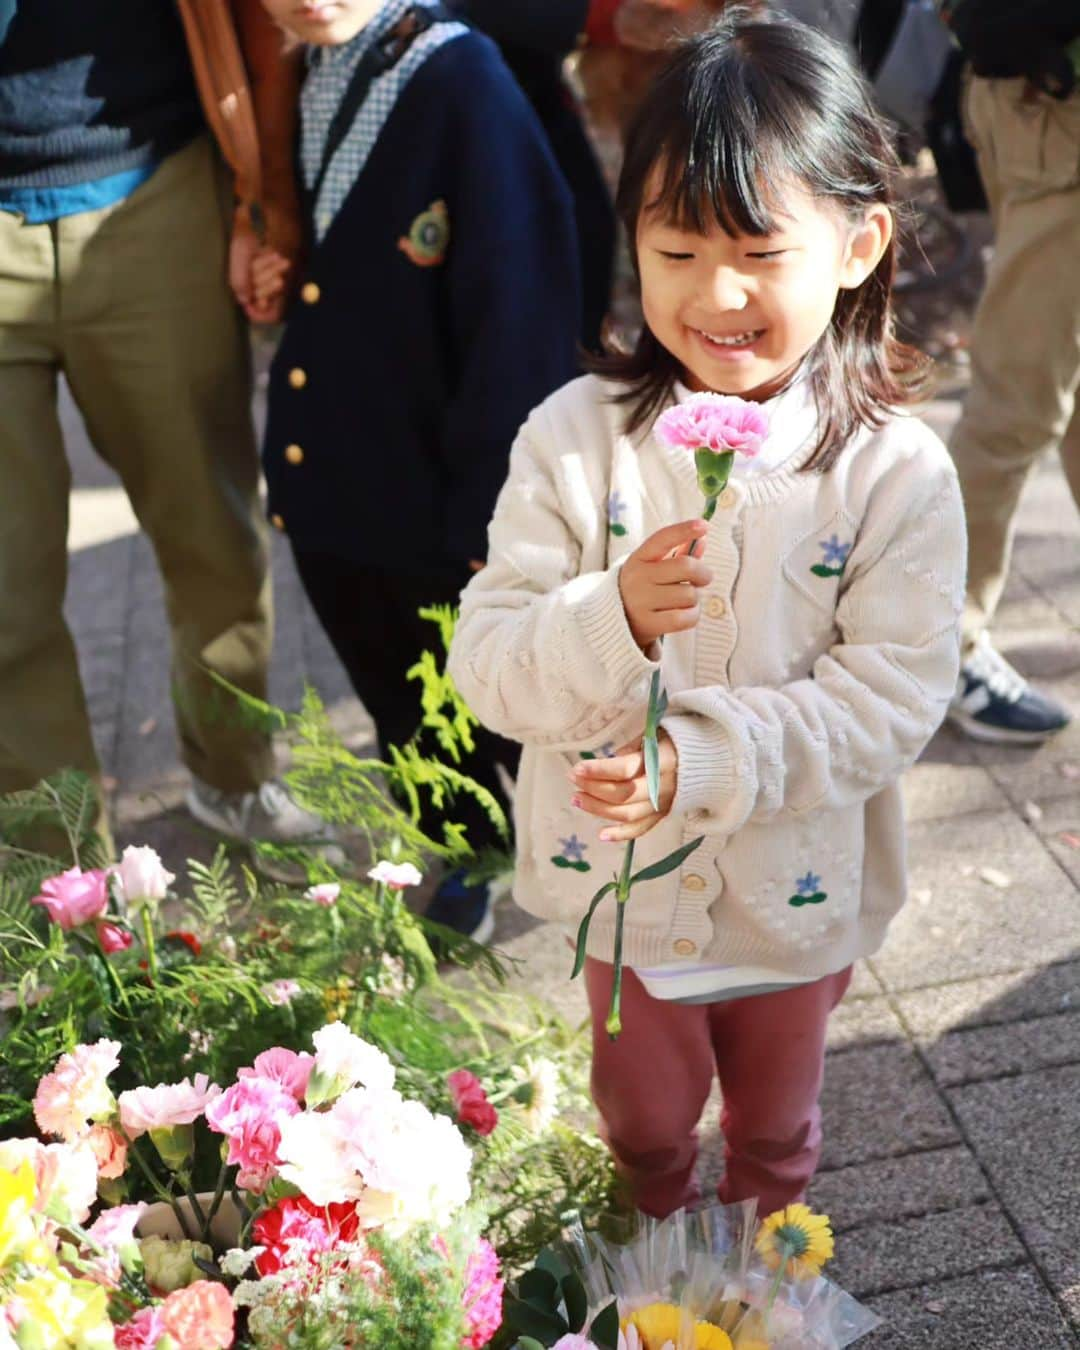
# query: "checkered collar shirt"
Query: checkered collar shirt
{"points": [[329, 72]]}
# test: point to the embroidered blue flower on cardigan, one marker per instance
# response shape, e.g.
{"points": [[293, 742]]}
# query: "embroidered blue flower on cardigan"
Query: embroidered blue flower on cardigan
{"points": [[615, 508], [834, 557], [572, 855], [808, 890]]}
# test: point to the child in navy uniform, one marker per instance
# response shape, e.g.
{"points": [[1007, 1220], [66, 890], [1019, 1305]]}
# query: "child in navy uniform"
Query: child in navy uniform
{"points": [[441, 303]]}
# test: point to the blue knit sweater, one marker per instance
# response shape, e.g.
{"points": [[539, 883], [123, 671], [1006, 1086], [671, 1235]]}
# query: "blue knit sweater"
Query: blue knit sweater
{"points": [[440, 307]]}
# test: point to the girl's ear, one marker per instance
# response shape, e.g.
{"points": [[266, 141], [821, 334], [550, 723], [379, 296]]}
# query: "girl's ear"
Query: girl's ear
{"points": [[865, 246]]}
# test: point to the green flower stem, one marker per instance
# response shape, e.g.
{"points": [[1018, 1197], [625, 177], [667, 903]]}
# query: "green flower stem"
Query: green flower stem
{"points": [[148, 943], [215, 1203], [193, 1199], [613, 1024], [162, 1194], [778, 1280]]}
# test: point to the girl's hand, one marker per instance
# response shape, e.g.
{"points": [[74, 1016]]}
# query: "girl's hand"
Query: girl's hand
{"points": [[659, 583], [615, 789], [269, 270]]}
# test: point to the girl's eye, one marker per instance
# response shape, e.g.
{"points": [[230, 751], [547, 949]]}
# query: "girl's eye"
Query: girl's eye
{"points": [[673, 256], [769, 253]]}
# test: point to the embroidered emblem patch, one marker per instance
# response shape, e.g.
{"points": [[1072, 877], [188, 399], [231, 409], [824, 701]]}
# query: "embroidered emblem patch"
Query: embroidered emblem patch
{"points": [[428, 237], [605, 751], [834, 557], [809, 891], [615, 507], [572, 855]]}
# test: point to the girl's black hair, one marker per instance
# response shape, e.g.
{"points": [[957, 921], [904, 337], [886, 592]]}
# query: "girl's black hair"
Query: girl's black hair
{"points": [[753, 102]]}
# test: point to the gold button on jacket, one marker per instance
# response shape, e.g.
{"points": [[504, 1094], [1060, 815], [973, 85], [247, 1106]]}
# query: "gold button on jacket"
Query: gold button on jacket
{"points": [[297, 377], [684, 947], [294, 454], [310, 293]]}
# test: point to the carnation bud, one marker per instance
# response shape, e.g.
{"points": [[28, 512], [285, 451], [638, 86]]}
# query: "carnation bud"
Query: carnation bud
{"points": [[169, 1265], [175, 1145]]}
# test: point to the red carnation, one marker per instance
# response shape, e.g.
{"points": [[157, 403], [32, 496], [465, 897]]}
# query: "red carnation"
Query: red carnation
{"points": [[321, 1228], [183, 936], [471, 1103]]}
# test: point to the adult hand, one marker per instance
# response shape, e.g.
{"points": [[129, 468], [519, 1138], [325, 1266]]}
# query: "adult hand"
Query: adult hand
{"points": [[616, 789], [659, 583]]}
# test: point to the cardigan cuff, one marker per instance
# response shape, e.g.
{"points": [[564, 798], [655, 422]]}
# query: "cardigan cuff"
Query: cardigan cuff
{"points": [[598, 612], [707, 774]]}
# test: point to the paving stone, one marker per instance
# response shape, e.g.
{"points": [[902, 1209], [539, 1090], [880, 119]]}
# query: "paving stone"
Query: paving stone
{"points": [[1026, 1131], [1016, 1047], [1059, 828], [997, 1310], [996, 999], [864, 982], [862, 1021], [884, 1256], [879, 1103], [910, 1186], [972, 928], [948, 781]]}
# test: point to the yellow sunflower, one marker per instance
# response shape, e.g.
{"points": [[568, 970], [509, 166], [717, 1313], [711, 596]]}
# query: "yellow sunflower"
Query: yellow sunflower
{"points": [[659, 1324], [796, 1238]]}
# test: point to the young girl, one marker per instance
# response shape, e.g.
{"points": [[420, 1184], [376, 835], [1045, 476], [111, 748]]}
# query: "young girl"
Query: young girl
{"points": [[809, 649]]}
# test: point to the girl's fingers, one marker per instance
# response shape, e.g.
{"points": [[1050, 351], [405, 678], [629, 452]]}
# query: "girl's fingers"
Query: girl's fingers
{"points": [[660, 544], [612, 794], [618, 834], [632, 811], [679, 571], [618, 769]]}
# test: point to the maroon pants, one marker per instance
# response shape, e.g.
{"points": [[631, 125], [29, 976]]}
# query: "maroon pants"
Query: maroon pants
{"points": [[650, 1087]]}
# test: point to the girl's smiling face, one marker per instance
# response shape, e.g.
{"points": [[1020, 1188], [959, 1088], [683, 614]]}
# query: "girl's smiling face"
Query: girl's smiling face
{"points": [[739, 312]]}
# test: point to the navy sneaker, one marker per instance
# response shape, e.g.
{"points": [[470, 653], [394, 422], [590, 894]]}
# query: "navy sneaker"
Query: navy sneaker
{"points": [[993, 702], [467, 908]]}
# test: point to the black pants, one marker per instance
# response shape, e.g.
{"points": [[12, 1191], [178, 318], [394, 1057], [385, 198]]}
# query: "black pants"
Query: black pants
{"points": [[370, 616]]}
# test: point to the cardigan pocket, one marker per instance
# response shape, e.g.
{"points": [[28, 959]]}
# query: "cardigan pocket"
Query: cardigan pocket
{"points": [[810, 890], [815, 564]]}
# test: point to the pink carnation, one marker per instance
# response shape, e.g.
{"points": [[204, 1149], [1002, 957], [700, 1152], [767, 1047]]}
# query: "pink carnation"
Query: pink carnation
{"points": [[285, 1067], [483, 1297], [143, 1332], [110, 1151], [74, 897], [168, 1104], [471, 1103], [199, 1317], [396, 875], [281, 992], [718, 422], [76, 1092], [112, 1229], [249, 1114], [325, 894]]}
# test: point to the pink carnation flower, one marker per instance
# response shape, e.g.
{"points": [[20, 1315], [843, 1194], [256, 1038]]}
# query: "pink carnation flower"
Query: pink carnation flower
{"points": [[168, 1104], [74, 897], [110, 1151], [249, 1114], [718, 422], [284, 1067], [76, 1092], [143, 1332], [325, 894], [199, 1317], [281, 992], [112, 1229], [396, 875], [483, 1297]]}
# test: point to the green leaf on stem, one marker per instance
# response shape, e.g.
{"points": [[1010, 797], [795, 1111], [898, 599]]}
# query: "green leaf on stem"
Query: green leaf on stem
{"points": [[576, 1300], [583, 928], [605, 1328], [668, 864]]}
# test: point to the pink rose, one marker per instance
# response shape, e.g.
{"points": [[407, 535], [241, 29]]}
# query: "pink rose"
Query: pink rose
{"points": [[143, 1332], [113, 938], [325, 894], [110, 1151], [74, 897], [249, 1114], [199, 1317], [285, 1067], [76, 1092], [718, 422], [471, 1103], [164, 1106], [396, 875], [483, 1297]]}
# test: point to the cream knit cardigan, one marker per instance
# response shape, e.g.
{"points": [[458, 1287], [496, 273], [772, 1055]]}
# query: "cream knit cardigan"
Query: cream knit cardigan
{"points": [[824, 659]]}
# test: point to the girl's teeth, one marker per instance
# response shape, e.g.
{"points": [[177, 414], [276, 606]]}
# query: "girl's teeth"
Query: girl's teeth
{"points": [[737, 341]]}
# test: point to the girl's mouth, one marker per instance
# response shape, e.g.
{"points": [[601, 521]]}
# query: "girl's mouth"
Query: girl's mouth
{"points": [[733, 342]]}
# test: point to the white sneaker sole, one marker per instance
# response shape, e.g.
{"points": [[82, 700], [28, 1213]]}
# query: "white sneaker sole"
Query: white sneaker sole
{"points": [[208, 817], [980, 731]]}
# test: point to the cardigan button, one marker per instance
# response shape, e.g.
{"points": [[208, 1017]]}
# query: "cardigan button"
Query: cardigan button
{"points": [[310, 293], [297, 377], [715, 608], [294, 454], [727, 498], [684, 947], [694, 882], [277, 521]]}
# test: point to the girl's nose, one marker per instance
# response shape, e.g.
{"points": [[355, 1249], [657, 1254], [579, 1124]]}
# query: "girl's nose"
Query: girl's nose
{"points": [[728, 291]]}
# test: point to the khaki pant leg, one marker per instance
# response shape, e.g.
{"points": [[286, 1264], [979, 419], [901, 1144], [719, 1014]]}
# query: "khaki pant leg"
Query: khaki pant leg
{"points": [[157, 357], [44, 724], [1026, 339]]}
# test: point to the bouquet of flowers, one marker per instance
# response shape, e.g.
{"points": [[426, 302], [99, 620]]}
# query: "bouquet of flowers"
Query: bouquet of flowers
{"points": [[343, 1205], [713, 1280]]}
